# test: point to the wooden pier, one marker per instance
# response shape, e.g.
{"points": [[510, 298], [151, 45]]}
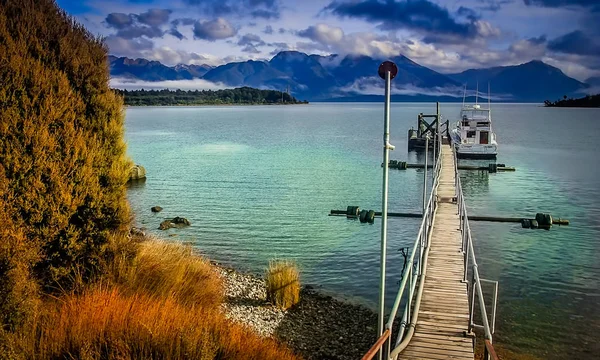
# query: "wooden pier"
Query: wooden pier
{"points": [[443, 317]]}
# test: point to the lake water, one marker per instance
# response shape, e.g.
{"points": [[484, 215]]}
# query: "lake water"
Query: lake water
{"points": [[258, 182]]}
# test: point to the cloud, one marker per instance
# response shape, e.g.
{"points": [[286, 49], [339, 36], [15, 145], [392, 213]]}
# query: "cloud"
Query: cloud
{"points": [[422, 16], [564, 3], [250, 49], [323, 34], [194, 84], [154, 17], [493, 5], [251, 39], [577, 43], [468, 13], [266, 9], [268, 30], [183, 21], [133, 32], [212, 30], [130, 48], [119, 20], [174, 32]]}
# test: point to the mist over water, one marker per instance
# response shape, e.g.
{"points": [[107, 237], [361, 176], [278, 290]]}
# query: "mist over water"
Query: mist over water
{"points": [[258, 182]]}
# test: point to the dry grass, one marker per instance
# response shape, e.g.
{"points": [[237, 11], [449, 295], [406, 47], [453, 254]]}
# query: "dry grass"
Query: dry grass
{"points": [[162, 304], [103, 323], [163, 269], [283, 283]]}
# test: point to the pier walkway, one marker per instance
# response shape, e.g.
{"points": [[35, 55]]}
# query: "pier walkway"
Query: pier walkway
{"points": [[441, 284], [443, 316]]}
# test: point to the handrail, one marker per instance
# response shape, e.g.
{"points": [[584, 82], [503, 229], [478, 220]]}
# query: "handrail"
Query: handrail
{"points": [[475, 283], [418, 267]]}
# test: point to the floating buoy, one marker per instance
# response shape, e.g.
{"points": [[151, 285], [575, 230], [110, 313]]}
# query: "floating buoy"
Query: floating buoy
{"points": [[526, 223], [501, 165], [534, 224], [363, 216], [544, 220], [352, 211], [402, 165], [371, 216]]}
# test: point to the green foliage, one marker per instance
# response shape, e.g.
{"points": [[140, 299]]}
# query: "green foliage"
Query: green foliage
{"points": [[243, 95], [62, 155], [587, 101]]}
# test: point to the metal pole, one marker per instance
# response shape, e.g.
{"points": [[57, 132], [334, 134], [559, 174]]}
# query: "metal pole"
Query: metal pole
{"points": [[384, 203], [425, 175]]}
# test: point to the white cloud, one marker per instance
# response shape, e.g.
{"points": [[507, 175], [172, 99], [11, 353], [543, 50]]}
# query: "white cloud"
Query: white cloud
{"points": [[194, 84]]}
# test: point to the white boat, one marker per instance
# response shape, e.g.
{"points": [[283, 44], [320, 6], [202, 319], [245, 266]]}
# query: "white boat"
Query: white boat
{"points": [[473, 136]]}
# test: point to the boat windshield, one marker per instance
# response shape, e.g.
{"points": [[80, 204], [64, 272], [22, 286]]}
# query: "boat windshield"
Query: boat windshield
{"points": [[480, 115]]}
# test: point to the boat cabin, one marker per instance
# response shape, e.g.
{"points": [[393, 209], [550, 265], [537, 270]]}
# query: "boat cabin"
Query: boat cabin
{"points": [[475, 125]]}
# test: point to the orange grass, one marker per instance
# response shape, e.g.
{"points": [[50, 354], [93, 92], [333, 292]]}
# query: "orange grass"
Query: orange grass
{"points": [[161, 269], [283, 283], [103, 323]]}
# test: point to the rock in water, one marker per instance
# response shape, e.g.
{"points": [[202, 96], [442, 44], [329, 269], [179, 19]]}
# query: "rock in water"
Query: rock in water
{"points": [[180, 221], [165, 225], [156, 209], [137, 172], [175, 222]]}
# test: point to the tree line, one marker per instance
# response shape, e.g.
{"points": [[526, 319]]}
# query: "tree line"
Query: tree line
{"points": [[587, 101], [242, 95]]}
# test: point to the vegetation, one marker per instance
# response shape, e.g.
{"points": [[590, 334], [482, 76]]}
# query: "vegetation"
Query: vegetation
{"points": [[283, 284], [73, 282], [162, 304], [587, 101], [238, 96]]}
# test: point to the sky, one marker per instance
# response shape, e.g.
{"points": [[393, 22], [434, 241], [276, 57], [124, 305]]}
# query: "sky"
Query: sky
{"points": [[447, 36]]}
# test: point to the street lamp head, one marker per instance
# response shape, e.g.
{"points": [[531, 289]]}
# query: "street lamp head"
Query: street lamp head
{"points": [[385, 67]]}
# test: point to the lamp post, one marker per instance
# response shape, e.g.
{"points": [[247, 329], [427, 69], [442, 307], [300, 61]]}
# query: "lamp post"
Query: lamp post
{"points": [[387, 71]]}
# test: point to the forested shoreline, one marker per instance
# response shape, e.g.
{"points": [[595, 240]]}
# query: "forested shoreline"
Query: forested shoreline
{"points": [[587, 101], [237, 96]]}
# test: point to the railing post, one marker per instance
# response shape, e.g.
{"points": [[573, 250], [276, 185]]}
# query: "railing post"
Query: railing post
{"points": [[472, 308], [494, 308], [425, 175]]}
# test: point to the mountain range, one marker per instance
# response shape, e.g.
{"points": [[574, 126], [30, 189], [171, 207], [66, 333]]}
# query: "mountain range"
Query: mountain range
{"points": [[354, 78]]}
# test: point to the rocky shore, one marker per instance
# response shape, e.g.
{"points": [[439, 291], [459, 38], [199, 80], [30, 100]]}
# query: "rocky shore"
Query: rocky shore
{"points": [[318, 327]]}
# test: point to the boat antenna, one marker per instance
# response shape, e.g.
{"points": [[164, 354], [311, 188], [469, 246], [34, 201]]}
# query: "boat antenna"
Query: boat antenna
{"points": [[489, 97], [477, 93]]}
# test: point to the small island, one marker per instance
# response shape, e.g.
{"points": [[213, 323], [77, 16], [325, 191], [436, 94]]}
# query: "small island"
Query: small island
{"points": [[237, 96], [587, 101]]}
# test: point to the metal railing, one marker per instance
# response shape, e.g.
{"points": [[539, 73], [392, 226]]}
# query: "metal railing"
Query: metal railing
{"points": [[417, 263], [416, 266], [474, 283]]}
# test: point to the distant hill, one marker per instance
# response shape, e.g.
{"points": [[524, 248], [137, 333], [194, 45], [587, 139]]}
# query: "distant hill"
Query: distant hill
{"points": [[147, 70], [586, 101], [533, 81], [332, 78]]}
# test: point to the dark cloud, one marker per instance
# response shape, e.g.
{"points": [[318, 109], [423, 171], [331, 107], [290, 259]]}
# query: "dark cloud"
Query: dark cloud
{"points": [[468, 13], [537, 40], [266, 9], [133, 32], [419, 15], [268, 30], [564, 3], [212, 30], [174, 32], [154, 17], [119, 20], [183, 21], [493, 5], [576, 43], [250, 49], [282, 31], [131, 48], [251, 39]]}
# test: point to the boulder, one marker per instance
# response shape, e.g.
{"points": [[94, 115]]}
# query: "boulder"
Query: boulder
{"points": [[156, 209], [173, 223], [137, 172], [137, 232]]}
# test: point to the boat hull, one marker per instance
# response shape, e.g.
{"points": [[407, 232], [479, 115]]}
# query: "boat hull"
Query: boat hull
{"points": [[476, 156]]}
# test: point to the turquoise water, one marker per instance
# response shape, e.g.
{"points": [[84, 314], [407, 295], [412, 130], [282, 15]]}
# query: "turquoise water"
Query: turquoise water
{"points": [[258, 182]]}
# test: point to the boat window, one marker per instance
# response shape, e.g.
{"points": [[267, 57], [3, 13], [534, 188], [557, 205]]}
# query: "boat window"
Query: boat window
{"points": [[471, 134], [482, 124], [465, 123]]}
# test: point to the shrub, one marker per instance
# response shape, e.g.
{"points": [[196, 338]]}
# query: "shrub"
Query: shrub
{"points": [[283, 283], [62, 155]]}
